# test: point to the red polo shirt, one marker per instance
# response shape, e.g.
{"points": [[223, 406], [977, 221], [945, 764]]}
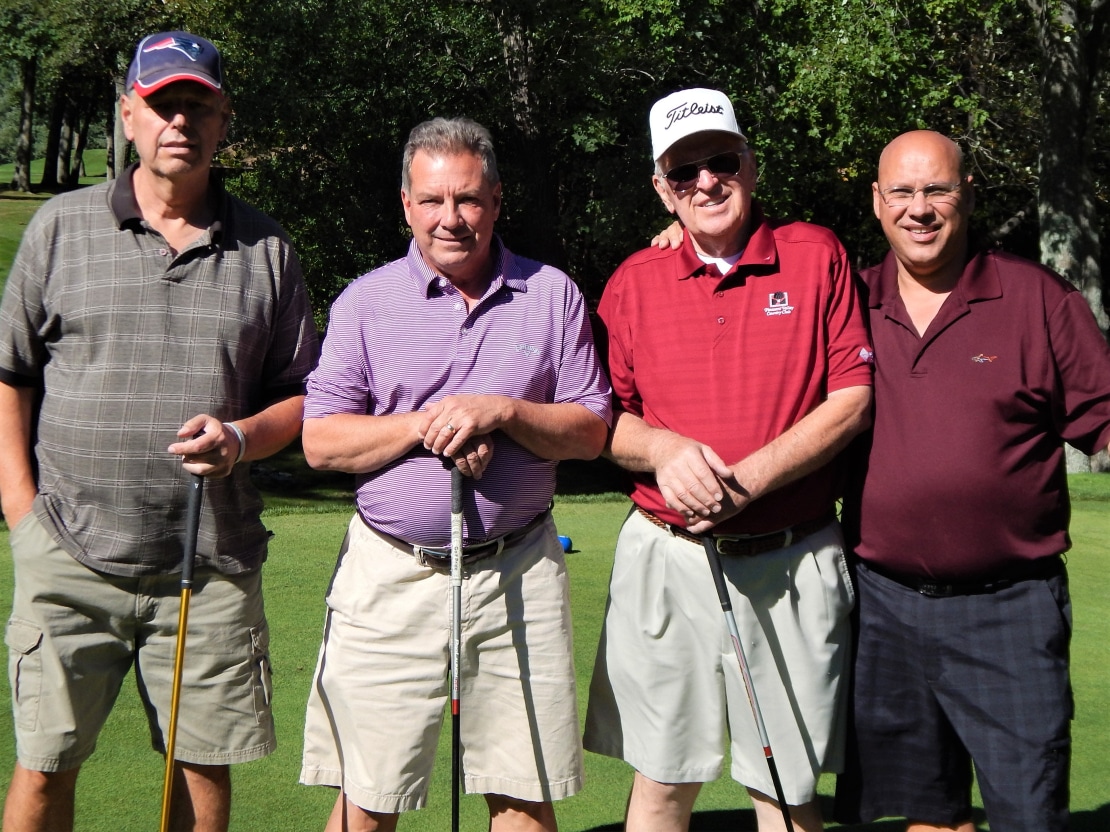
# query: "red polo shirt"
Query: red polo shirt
{"points": [[735, 361], [966, 473]]}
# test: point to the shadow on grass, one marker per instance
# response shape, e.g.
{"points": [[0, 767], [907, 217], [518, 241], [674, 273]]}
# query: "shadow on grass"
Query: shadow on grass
{"points": [[1093, 820], [742, 820]]}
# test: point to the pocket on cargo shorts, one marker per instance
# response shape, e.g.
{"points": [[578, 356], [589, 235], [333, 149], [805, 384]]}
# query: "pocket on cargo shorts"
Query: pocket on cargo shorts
{"points": [[24, 669]]}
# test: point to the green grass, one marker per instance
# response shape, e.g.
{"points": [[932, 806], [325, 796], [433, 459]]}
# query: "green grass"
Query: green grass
{"points": [[120, 787], [17, 207]]}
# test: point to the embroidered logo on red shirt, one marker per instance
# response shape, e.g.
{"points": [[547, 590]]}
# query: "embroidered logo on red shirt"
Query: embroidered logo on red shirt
{"points": [[983, 359], [778, 303]]}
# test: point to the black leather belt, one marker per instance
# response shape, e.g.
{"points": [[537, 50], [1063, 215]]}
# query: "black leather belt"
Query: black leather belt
{"points": [[1039, 569], [440, 558], [745, 545]]}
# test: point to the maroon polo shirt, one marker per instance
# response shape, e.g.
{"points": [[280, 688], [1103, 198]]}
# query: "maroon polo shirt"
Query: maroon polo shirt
{"points": [[735, 361], [966, 474]]}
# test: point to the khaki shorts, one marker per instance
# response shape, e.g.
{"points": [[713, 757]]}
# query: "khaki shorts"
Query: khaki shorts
{"points": [[377, 701], [74, 634], [667, 687]]}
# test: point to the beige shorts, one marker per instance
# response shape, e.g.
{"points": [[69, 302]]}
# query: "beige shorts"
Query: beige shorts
{"points": [[74, 634], [377, 701], [666, 686]]}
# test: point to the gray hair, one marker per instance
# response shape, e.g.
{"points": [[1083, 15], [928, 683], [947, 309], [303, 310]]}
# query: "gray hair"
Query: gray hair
{"points": [[448, 136]]}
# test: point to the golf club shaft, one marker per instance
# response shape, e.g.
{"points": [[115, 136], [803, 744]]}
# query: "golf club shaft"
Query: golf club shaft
{"points": [[456, 639], [192, 528], [738, 646]]}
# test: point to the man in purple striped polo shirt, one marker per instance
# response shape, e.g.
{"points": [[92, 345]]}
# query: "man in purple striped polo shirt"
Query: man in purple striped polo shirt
{"points": [[459, 351]]}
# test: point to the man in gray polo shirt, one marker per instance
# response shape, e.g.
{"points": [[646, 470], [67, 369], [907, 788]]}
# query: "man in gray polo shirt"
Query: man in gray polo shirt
{"points": [[151, 328]]}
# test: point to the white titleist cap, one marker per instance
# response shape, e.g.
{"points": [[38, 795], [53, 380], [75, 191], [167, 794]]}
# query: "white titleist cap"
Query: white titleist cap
{"points": [[686, 112]]}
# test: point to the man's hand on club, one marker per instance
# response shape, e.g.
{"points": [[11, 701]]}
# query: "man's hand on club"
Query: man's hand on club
{"points": [[461, 427], [208, 447], [474, 455]]}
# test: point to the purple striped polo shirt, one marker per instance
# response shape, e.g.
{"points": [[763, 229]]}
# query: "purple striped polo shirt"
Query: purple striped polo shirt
{"points": [[400, 338]]}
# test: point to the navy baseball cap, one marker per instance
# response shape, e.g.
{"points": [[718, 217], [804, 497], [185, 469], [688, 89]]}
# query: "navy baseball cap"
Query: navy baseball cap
{"points": [[169, 57]]}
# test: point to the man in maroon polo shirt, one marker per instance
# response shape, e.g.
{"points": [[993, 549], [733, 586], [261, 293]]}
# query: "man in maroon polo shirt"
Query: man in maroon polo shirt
{"points": [[740, 367], [985, 364]]}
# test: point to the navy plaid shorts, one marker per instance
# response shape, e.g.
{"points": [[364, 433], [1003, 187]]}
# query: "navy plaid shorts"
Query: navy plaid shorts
{"points": [[942, 684]]}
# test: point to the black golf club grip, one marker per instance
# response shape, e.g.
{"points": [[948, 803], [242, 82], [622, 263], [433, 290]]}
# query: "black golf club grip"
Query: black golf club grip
{"points": [[192, 528], [718, 575], [456, 490]]}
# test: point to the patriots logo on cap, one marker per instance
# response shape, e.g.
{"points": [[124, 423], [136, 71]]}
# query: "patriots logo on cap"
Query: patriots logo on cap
{"points": [[189, 48]]}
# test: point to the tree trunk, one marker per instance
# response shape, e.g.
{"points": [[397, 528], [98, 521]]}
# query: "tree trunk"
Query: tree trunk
{"points": [[1069, 233], [21, 175], [120, 144], [65, 142], [1070, 37], [53, 142], [78, 169], [110, 148], [537, 223]]}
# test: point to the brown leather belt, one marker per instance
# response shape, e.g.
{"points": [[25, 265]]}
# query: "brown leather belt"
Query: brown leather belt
{"points": [[745, 545]]}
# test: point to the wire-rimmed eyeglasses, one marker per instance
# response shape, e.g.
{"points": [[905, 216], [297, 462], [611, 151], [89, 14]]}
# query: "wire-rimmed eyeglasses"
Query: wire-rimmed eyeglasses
{"points": [[936, 193]]}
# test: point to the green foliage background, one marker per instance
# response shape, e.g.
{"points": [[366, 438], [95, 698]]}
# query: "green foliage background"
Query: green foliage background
{"points": [[325, 92]]}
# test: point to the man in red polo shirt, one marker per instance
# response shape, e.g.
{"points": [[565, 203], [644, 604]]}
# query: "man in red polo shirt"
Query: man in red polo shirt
{"points": [[985, 364], [740, 366]]}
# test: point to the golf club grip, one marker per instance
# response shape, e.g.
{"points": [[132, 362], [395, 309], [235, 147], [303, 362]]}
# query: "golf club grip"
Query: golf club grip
{"points": [[192, 528], [456, 490], [718, 574], [456, 772]]}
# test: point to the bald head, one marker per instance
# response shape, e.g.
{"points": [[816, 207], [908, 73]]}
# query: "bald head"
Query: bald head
{"points": [[924, 199], [923, 146]]}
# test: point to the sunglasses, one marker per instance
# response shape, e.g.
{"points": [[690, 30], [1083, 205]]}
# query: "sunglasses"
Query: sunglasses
{"points": [[685, 177]]}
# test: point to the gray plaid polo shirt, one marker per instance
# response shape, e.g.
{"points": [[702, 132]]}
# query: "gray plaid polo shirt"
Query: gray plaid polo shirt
{"points": [[126, 342]]}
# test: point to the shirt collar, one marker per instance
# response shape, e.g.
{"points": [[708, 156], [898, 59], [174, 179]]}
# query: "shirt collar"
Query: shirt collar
{"points": [[979, 280], [760, 250], [506, 270], [125, 207]]}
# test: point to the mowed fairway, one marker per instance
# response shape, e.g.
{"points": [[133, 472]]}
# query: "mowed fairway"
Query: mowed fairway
{"points": [[16, 208], [15, 211], [120, 788]]}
